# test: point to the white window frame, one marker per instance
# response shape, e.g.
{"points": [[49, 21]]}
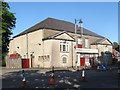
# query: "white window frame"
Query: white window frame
{"points": [[79, 41], [65, 60], [86, 43], [64, 47]]}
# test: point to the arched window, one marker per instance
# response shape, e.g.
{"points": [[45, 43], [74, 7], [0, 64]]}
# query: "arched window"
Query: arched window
{"points": [[64, 60]]}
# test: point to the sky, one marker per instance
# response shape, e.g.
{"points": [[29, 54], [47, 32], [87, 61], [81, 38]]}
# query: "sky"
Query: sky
{"points": [[98, 17]]}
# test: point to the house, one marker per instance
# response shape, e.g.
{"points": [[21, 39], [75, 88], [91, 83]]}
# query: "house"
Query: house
{"points": [[53, 42]]}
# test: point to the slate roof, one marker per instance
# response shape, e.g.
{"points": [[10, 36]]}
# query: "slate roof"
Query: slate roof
{"points": [[99, 41], [59, 25], [57, 34]]}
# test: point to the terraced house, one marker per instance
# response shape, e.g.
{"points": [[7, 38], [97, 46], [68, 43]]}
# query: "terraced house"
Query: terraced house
{"points": [[53, 42]]}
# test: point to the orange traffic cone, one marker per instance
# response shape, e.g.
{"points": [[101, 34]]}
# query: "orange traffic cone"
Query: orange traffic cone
{"points": [[52, 78], [83, 74]]}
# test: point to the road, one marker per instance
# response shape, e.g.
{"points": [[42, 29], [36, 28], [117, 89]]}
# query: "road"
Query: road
{"points": [[63, 79]]}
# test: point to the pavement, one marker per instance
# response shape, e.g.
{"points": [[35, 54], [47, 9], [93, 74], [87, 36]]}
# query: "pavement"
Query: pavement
{"points": [[4, 70]]}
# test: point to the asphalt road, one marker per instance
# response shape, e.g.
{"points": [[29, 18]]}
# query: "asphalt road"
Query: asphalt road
{"points": [[63, 79]]}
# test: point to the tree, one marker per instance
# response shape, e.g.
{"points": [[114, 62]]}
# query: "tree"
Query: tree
{"points": [[8, 23], [115, 44]]}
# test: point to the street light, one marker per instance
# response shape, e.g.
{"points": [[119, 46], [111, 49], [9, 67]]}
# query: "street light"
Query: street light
{"points": [[80, 22], [76, 20], [81, 26]]}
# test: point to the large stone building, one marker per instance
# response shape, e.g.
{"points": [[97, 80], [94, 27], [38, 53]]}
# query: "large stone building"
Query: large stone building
{"points": [[52, 42]]}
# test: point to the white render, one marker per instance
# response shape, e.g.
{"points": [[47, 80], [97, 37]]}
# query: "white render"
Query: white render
{"points": [[47, 52]]}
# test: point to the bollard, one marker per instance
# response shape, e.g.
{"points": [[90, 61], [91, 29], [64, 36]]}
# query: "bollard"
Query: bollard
{"points": [[52, 77]]}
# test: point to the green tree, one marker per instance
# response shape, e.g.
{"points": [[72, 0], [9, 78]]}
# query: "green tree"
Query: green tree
{"points": [[8, 23], [115, 44]]}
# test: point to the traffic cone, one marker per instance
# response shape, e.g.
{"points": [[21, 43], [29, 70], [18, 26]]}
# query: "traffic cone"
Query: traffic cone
{"points": [[98, 68], [83, 74], [24, 84], [52, 77]]}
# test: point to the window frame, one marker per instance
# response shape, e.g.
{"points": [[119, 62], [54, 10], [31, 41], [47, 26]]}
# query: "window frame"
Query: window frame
{"points": [[64, 60], [64, 47]]}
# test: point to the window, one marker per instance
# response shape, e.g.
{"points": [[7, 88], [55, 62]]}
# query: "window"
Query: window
{"points": [[64, 60], [79, 43], [64, 47], [67, 47], [44, 58], [87, 43], [39, 58], [60, 47], [87, 57]]}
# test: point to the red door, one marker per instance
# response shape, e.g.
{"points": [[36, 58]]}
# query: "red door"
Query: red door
{"points": [[82, 61], [25, 63]]}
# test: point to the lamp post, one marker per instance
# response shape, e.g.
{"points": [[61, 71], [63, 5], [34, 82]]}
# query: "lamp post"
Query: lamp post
{"points": [[81, 30], [81, 26], [76, 40]]}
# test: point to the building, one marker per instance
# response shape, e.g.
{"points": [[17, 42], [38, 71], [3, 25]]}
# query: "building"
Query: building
{"points": [[52, 42], [116, 54]]}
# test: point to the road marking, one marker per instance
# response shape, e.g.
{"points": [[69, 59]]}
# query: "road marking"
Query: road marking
{"points": [[74, 80], [36, 87], [61, 81], [42, 80], [36, 79], [68, 82], [77, 86]]}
